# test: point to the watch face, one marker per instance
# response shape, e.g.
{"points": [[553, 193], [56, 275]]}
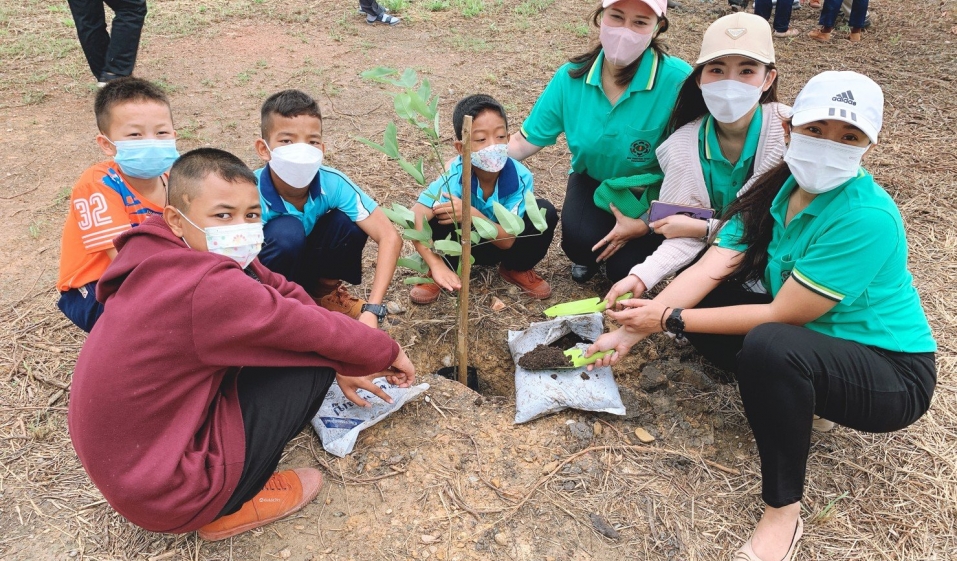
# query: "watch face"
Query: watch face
{"points": [[674, 323]]}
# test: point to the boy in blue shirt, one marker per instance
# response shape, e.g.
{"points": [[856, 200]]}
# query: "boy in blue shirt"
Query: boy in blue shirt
{"points": [[495, 178], [315, 220]]}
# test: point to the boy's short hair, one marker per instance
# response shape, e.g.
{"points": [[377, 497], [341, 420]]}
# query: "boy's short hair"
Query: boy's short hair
{"points": [[125, 90], [473, 106], [288, 103], [189, 171]]}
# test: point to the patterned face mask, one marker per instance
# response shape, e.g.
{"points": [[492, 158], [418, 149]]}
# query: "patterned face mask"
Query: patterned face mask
{"points": [[239, 242], [491, 158]]}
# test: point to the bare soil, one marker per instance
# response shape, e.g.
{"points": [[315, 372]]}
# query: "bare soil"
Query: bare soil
{"points": [[451, 477]]}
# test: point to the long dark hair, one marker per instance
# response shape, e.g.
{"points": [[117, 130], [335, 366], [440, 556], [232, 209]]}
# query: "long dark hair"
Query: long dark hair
{"points": [[624, 76], [754, 207], [690, 103]]}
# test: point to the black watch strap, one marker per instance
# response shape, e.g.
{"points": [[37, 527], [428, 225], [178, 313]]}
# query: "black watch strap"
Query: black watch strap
{"points": [[378, 310], [675, 324]]}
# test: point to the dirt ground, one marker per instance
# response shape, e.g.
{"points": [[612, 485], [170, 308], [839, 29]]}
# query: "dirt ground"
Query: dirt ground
{"points": [[451, 477]]}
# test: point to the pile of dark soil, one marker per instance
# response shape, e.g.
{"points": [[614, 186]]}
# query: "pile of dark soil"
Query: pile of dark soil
{"points": [[544, 357]]}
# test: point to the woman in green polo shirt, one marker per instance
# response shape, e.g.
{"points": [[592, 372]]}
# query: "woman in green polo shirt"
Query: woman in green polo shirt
{"points": [[726, 135], [612, 103], [841, 332]]}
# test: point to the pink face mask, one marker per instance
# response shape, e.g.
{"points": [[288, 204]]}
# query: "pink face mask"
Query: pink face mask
{"points": [[623, 46]]}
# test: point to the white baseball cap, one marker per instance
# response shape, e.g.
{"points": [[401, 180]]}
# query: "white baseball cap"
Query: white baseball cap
{"points": [[845, 96], [738, 34], [658, 6]]}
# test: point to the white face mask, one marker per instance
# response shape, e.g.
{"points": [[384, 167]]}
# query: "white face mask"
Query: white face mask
{"points": [[729, 100], [819, 165], [239, 242], [296, 164], [491, 158]]}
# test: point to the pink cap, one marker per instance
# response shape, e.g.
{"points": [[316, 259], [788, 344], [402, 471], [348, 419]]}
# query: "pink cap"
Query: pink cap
{"points": [[658, 6]]}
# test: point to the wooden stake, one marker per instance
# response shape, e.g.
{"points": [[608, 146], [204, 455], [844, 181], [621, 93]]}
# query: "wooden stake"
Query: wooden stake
{"points": [[465, 261]]}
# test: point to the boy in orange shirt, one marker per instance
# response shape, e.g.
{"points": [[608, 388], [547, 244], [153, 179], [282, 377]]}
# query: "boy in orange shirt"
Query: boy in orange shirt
{"points": [[136, 132]]}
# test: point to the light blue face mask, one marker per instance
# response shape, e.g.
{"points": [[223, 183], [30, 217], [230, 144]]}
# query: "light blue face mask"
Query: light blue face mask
{"points": [[145, 159]]}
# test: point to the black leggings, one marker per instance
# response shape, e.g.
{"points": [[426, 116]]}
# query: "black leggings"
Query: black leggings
{"points": [[277, 403], [787, 374], [584, 225]]}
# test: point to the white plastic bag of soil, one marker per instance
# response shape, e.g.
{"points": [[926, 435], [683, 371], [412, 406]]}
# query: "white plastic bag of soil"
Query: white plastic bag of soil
{"points": [[541, 392], [339, 421]]}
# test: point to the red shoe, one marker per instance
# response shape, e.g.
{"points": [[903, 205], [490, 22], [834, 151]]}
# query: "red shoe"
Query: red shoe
{"points": [[425, 293], [529, 281], [286, 492]]}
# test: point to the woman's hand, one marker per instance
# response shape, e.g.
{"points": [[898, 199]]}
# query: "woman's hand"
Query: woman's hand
{"points": [[631, 283], [625, 229], [680, 226], [620, 340], [640, 316]]}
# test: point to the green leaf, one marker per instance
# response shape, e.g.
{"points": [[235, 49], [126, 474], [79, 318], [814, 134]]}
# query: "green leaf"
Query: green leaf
{"points": [[400, 215], [425, 92], [535, 214], [379, 74], [509, 221], [403, 106], [408, 79], [415, 172], [420, 107], [373, 145], [390, 141], [474, 236], [434, 132], [448, 247], [485, 227], [415, 262], [418, 280], [417, 235]]}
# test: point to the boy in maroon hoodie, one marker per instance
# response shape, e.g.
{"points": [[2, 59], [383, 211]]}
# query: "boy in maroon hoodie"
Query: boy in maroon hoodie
{"points": [[206, 364]]}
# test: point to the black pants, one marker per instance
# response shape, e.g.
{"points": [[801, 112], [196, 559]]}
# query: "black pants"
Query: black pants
{"points": [[277, 403], [787, 374], [109, 55], [584, 225], [370, 7], [333, 250], [528, 250]]}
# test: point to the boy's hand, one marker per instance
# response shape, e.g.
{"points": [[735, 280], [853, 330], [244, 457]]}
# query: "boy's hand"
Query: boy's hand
{"points": [[446, 278], [449, 212], [349, 385], [402, 371]]}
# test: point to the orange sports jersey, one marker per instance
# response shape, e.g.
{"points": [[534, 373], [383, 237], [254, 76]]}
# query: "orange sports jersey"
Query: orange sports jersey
{"points": [[102, 206]]}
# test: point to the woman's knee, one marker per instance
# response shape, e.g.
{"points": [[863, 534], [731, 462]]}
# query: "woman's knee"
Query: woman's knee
{"points": [[766, 349]]}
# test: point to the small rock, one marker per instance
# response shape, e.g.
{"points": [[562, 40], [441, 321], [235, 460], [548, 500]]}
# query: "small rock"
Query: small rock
{"points": [[501, 539], [554, 376], [496, 482], [429, 538], [597, 428], [549, 467], [497, 304], [697, 378], [569, 486], [285, 553], [581, 431], [644, 436], [479, 400], [388, 511], [603, 526], [585, 376], [447, 360], [718, 422], [394, 307], [300, 527], [513, 291], [652, 379]]}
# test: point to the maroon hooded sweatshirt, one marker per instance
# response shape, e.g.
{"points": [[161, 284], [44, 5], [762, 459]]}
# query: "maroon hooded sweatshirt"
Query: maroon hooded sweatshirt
{"points": [[154, 414]]}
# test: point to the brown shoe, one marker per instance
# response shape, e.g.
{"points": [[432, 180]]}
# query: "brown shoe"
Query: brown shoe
{"points": [[819, 35], [425, 293], [855, 36], [529, 281], [338, 299], [286, 492]]}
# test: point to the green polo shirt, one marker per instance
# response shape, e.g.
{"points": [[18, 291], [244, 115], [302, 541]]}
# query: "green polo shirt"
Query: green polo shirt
{"points": [[722, 178], [609, 141], [849, 246]]}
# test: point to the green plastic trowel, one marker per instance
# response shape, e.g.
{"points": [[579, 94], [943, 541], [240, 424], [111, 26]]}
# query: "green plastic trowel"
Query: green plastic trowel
{"points": [[586, 306], [575, 355]]}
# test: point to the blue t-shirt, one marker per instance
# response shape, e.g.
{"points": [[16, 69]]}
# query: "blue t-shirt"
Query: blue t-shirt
{"points": [[513, 182], [329, 190]]}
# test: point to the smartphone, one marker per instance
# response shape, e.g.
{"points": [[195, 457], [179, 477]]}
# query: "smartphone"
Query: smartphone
{"points": [[660, 209]]}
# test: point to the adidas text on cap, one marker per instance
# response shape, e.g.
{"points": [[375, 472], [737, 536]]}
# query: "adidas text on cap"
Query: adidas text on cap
{"points": [[660, 7], [843, 96], [740, 34]]}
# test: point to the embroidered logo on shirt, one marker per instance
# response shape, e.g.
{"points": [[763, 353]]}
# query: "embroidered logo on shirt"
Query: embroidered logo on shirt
{"points": [[640, 149], [736, 32], [845, 97]]}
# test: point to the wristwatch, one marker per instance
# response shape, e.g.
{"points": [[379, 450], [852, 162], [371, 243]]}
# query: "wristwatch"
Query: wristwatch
{"points": [[675, 324], [378, 310]]}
